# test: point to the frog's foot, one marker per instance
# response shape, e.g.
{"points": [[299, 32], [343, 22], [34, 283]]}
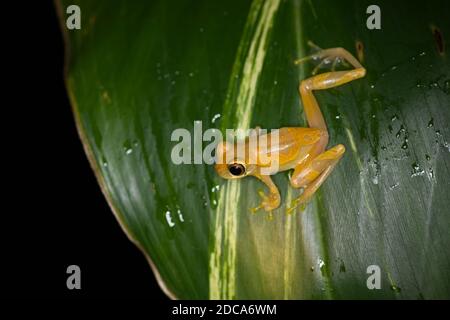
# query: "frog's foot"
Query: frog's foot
{"points": [[325, 58], [299, 202], [268, 203]]}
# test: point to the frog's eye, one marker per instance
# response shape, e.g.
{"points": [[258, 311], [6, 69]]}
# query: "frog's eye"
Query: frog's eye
{"points": [[236, 169]]}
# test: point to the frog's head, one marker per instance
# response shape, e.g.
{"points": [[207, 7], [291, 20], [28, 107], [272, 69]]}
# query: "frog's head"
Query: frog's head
{"points": [[228, 165]]}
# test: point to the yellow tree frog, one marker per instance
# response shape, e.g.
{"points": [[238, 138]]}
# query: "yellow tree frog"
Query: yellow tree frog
{"points": [[301, 149]]}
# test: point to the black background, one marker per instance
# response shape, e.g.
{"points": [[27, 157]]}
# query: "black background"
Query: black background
{"points": [[53, 212]]}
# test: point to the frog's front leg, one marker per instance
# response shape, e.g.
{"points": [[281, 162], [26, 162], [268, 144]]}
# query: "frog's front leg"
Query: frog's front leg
{"points": [[312, 174], [271, 200]]}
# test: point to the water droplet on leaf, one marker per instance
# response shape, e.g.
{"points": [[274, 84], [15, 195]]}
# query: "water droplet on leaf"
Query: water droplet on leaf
{"points": [[417, 170], [395, 288], [169, 219], [395, 185], [405, 145]]}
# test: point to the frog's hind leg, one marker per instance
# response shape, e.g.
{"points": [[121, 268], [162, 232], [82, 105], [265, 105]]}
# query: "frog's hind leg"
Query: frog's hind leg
{"points": [[327, 80], [311, 175]]}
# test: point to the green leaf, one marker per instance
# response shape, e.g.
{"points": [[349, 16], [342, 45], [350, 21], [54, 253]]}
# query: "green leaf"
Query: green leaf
{"points": [[136, 71]]}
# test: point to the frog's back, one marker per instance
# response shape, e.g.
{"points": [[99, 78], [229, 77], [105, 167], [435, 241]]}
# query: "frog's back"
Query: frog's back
{"points": [[291, 144]]}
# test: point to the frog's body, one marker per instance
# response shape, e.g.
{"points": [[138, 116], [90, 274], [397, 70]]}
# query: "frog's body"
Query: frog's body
{"points": [[294, 147], [301, 149]]}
